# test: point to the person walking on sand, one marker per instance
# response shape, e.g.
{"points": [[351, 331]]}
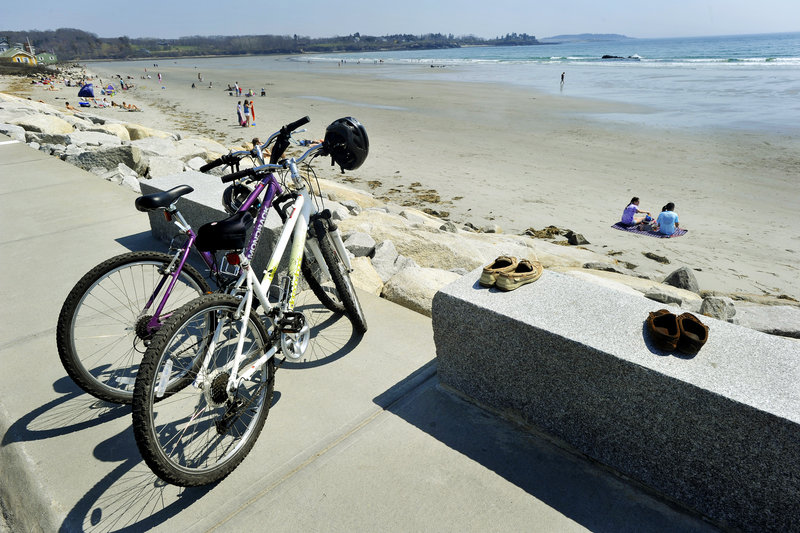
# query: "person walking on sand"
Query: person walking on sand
{"points": [[667, 220], [240, 113], [236, 88], [630, 212], [246, 113], [252, 113], [562, 78]]}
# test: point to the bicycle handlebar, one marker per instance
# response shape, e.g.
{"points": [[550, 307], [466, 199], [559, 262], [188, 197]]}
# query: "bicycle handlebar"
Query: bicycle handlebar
{"points": [[238, 175], [226, 159], [282, 142], [289, 128]]}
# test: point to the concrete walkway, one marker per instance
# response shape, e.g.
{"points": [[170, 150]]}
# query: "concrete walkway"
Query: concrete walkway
{"points": [[360, 438]]}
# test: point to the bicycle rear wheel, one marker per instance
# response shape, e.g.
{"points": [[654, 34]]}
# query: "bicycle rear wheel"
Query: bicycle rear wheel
{"points": [[189, 429], [340, 277], [101, 332]]}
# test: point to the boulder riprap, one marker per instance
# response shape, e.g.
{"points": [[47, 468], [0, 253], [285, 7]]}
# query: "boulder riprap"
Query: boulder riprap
{"points": [[402, 253]]}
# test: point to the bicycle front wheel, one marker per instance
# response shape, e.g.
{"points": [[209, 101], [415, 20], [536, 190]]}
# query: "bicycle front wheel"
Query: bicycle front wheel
{"points": [[340, 277], [190, 429], [101, 332]]}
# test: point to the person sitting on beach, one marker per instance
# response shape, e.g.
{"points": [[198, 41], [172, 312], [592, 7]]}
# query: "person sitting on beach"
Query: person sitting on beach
{"points": [[629, 214], [667, 220]]}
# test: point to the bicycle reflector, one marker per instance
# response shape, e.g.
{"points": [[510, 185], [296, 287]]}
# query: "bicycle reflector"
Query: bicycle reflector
{"points": [[233, 258]]}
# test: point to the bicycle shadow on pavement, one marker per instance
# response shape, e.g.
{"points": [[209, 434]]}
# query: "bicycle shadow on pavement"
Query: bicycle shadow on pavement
{"points": [[73, 411], [574, 485], [332, 335], [131, 497], [141, 242]]}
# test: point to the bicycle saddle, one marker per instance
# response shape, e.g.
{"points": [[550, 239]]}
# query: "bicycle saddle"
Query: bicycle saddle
{"points": [[227, 234], [161, 200]]}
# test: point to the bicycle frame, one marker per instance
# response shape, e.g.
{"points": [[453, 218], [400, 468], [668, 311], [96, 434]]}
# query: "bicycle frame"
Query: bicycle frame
{"points": [[273, 190], [296, 229]]}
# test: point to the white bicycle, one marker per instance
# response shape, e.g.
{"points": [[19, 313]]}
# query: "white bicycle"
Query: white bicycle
{"points": [[205, 384]]}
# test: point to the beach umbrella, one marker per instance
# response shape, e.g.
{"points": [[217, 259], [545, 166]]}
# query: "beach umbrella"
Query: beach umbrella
{"points": [[110, 88], [87, 91]]}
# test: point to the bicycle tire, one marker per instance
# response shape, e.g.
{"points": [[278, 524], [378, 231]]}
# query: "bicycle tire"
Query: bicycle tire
{"points": [[340, 277], [177, 430], [96, 334], [324, 289]]}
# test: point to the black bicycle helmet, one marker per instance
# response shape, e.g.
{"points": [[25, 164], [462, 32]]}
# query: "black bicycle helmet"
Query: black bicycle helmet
{"points": [[234, 196], [347, 143]]}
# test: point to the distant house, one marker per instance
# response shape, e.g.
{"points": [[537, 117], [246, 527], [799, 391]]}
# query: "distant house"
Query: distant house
{"points": [[46, 58], [22, 53], [16, 55]]}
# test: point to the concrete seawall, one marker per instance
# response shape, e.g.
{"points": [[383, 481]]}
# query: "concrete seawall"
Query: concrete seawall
{"points": [[718, 432]]}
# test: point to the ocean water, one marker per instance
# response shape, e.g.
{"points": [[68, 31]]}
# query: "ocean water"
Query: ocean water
{"points": [[742, 82], [745, 82]]}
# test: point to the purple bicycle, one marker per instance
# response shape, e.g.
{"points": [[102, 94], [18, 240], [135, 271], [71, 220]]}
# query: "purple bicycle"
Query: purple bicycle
{"points": [[110, 316]]}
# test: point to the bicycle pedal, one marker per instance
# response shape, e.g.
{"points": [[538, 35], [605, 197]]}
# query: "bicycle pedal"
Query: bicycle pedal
{"points": [[291, 322]]}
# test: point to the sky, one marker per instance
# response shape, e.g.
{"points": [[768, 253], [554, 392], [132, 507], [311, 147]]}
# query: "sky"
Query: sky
{"points": [[317, 18]]}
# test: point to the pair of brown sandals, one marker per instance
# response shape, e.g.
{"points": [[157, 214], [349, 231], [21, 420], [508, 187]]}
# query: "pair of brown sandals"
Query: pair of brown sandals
{"points": [[684, 332], [507, 273]]}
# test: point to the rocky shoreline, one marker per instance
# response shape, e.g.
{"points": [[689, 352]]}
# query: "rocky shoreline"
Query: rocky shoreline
{"points": [[401, 253]]}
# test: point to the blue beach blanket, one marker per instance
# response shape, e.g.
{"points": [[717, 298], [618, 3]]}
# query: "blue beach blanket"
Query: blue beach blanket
{"points": [[649, 233]]}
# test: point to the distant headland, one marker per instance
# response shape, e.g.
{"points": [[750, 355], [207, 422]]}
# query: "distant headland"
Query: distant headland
{"points": [[585, 38], [77, 45]]}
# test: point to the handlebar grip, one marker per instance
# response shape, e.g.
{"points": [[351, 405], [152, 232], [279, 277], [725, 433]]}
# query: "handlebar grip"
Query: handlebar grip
{"points": [[289, 128], [213, 164], [238, 175]]}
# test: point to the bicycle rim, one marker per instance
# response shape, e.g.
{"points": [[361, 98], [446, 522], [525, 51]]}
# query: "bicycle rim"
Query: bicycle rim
{"points": [[340, 278], [321, 284], [105, 333], [189, 430]]}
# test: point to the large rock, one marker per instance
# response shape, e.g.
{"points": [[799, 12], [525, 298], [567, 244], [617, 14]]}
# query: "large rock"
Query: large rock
{"points": [[672, 295], [364, 276], [15, 132], [414, 287], [430, 247], [383, 260], [110, 157], [112, 129], [158, 166], [783, 320], [720, 307], [123, 175], [212, 148], [47, 138], [137, 131], [158, 146], [44, 124], [360, 244], [683, 278], [93, 138], [195, 163], [341, 192], [76, 122]]}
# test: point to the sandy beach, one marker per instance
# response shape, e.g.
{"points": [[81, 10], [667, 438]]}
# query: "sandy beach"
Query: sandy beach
{"points": [[492, 154]]}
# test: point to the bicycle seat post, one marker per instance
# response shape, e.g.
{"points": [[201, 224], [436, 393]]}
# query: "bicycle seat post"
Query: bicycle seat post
{"points": [[174, 215]]}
